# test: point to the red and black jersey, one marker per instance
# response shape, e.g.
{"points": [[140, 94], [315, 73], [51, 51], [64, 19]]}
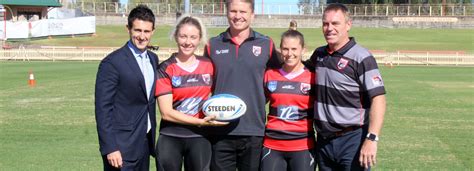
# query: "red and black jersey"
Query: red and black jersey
{"points": [[290, 120], [190, 87]]}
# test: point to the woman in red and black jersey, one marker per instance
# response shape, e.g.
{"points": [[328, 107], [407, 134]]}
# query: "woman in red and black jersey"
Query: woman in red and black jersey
{"points": [[184, 83], [289, 134]]}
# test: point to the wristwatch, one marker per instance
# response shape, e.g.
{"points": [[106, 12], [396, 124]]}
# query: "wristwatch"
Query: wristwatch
{"points": [[372, 137]]}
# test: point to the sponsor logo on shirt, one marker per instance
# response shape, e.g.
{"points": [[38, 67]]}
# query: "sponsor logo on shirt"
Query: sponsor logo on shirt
{"points": [[256, 50], [272, 86], [189, 106], [222, 51], [342, 63], [304, 87], [206, 78], [289, 87], [192, 80], [176, 81], [377, 80], [288, 113]]}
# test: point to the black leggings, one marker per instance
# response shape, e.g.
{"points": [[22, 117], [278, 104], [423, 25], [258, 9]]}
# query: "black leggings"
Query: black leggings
{"points": [[274, 160], [196, 153]]}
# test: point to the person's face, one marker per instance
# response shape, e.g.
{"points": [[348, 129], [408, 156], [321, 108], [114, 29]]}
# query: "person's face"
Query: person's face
{"points": [[239, 15], [336, 29], [140, 33], [188, 39], [291, 51]]}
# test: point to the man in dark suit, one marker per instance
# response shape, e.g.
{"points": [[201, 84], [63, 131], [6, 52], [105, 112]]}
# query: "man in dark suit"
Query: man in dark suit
{"points": [[125, 104]]}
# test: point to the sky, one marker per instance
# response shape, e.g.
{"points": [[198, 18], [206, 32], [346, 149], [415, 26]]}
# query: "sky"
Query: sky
{"points": [[270, 6]]}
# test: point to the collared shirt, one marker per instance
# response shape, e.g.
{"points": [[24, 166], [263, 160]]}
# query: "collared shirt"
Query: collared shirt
{"points": [[143, 59], [239, 70], [347, 80], [147, 71]]}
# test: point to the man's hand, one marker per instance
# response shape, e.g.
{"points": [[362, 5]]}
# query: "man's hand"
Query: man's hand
{"points": [[115, 159], [368, 154]]}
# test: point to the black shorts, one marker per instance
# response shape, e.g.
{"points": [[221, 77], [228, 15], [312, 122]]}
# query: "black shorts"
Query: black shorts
{"points": [[274, 160], [236, 152], [171, 151]]}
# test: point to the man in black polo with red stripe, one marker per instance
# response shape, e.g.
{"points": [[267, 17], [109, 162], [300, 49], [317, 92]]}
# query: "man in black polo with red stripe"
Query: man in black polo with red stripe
{"points": [[350, 104], [240, 56]]}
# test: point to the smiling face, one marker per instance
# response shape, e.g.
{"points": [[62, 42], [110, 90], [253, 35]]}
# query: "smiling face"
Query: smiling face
{"points": [[187, 39], [140, 33], [336, 29], [239, 16], [291, 52]]}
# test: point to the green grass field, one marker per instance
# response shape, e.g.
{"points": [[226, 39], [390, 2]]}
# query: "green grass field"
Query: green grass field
{"points": [[428, 125], [372, 38]]}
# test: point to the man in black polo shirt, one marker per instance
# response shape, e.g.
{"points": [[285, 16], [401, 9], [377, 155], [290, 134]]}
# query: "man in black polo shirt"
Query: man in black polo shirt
{"points": [[240, 56], [350, 104]]}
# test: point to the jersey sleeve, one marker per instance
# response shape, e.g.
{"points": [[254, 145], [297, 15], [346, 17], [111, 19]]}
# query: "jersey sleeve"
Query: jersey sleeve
{"points": [[163, 84], [370, 77]]}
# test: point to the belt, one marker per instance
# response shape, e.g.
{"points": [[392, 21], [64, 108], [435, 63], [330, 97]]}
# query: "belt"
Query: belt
{"points": [[342, 132]]}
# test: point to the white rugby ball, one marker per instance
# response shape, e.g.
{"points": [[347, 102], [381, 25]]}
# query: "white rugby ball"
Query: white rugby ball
{"points": [[225, 107]]}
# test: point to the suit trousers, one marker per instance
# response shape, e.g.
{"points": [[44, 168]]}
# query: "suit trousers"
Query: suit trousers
{"points": [[141, 164]]}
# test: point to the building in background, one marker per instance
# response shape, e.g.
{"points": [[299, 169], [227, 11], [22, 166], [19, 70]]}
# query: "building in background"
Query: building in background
{"points": [[28, 10]]}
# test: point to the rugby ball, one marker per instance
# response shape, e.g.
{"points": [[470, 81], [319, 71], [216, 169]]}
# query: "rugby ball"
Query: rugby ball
{"points": [[225, 107]]}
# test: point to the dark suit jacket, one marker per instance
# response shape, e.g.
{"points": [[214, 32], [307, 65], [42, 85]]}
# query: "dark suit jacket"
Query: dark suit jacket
{"points": [[121, 105]]}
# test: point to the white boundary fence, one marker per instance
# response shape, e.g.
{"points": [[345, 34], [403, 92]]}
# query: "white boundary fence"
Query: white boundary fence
{"points": [[115, 8], [456, 58]]}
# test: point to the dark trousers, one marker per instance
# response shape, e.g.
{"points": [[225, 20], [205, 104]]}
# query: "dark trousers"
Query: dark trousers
{"points": [[274, 160], [196, 153], [236, 152], [340, 153], [141, 164]]}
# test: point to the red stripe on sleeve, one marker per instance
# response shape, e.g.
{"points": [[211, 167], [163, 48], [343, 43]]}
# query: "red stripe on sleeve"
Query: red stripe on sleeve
{"points": [[163, 86]]}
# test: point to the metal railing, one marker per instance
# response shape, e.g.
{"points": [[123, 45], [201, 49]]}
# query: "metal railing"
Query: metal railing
{"points": [[455, 58], [116, 8]]}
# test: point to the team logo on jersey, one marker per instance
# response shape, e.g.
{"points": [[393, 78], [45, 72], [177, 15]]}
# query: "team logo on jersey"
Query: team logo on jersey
{"points": [[377, 80], [257, 50], [176, 81], [272, 86], [342, 63], [206, 78], [304, 87]]}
